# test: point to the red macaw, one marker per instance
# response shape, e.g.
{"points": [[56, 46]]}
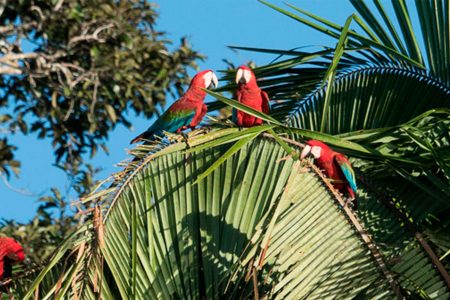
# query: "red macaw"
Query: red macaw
{"points": [[335, 166], [10, 252], [186, 112], [250, 94]]}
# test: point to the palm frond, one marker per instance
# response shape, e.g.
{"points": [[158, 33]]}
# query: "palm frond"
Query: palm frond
{"points": [[164, 236], [367, 97]]}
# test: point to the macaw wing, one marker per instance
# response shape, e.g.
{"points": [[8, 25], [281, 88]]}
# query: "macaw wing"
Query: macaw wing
{"points": [[265, 106], [237, 96], [171, 120], [347, 169]]}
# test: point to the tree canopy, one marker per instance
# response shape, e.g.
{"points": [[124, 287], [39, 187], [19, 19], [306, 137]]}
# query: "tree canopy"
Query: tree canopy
{"points": [[70, 72], [73, 70]]}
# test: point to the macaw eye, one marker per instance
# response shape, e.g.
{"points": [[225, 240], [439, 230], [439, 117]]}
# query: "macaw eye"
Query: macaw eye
{"points": [[316, 150], [247, 75]]}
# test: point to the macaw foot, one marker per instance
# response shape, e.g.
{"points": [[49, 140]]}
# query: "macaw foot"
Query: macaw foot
{"points": [[180, 130], [187, 157], [206, 129], [352, 203]]}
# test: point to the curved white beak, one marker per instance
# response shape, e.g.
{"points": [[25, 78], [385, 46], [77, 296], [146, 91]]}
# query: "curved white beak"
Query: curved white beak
{"points": [[215, 81], [315, 151], [305, 151], [243, 76], [211, 80]]}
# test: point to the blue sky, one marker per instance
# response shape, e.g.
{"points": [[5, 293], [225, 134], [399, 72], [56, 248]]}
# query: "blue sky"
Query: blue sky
{"points": [[209, 26]]}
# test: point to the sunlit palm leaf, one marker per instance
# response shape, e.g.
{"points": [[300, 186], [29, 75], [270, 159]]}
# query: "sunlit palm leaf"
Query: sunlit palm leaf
{"points": [[166, 237], [382, 82], [371, 97], [312, 250]]}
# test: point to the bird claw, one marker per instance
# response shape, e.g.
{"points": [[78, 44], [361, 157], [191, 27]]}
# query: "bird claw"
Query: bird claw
{"points": [[187, 158], [186, 139], [206, 129], [350, 203], [181, 129]]}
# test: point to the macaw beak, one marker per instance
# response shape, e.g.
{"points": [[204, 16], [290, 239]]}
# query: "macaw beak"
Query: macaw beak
{"points": [[214, 81], [211, 80], [306, 151], [16, 257], [21, 256], [243, 76]]}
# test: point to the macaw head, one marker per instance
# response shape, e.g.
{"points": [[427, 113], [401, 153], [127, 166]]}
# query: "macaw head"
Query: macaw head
{"points": [[13, 250], [10, 253], [314, 148], [17, 256], [205, 79], [245, 76]]}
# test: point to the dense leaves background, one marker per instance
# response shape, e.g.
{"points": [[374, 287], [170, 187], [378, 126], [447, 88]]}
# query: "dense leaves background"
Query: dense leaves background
{"points": [[71, 71]]}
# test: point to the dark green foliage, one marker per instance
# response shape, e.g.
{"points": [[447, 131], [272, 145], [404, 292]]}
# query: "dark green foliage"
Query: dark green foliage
{"points": [[45, 231], [54, 221], [76, 68], [70, 71], [7, 161]]}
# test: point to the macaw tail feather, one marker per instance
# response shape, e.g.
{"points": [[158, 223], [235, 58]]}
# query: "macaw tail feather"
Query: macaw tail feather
{"points": [[137, 139], [144, 135]]}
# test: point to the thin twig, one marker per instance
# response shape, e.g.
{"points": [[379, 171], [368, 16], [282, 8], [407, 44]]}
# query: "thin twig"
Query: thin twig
{"points": [[14, 29], [91, 37], [10, 71], [17, 190], [58, 5], [17, 56], [255, 285], [290, 141]]}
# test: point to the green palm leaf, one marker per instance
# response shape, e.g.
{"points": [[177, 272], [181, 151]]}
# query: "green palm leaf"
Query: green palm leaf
{"points": [[166, 237], [371, 97]]}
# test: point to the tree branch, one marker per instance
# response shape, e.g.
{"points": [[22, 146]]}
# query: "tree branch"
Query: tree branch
{"points": [[17, 56], [14, 29], [90, 37]]}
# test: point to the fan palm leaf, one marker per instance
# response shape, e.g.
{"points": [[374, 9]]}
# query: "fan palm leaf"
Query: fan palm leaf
{"points": [[166, 236]]}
